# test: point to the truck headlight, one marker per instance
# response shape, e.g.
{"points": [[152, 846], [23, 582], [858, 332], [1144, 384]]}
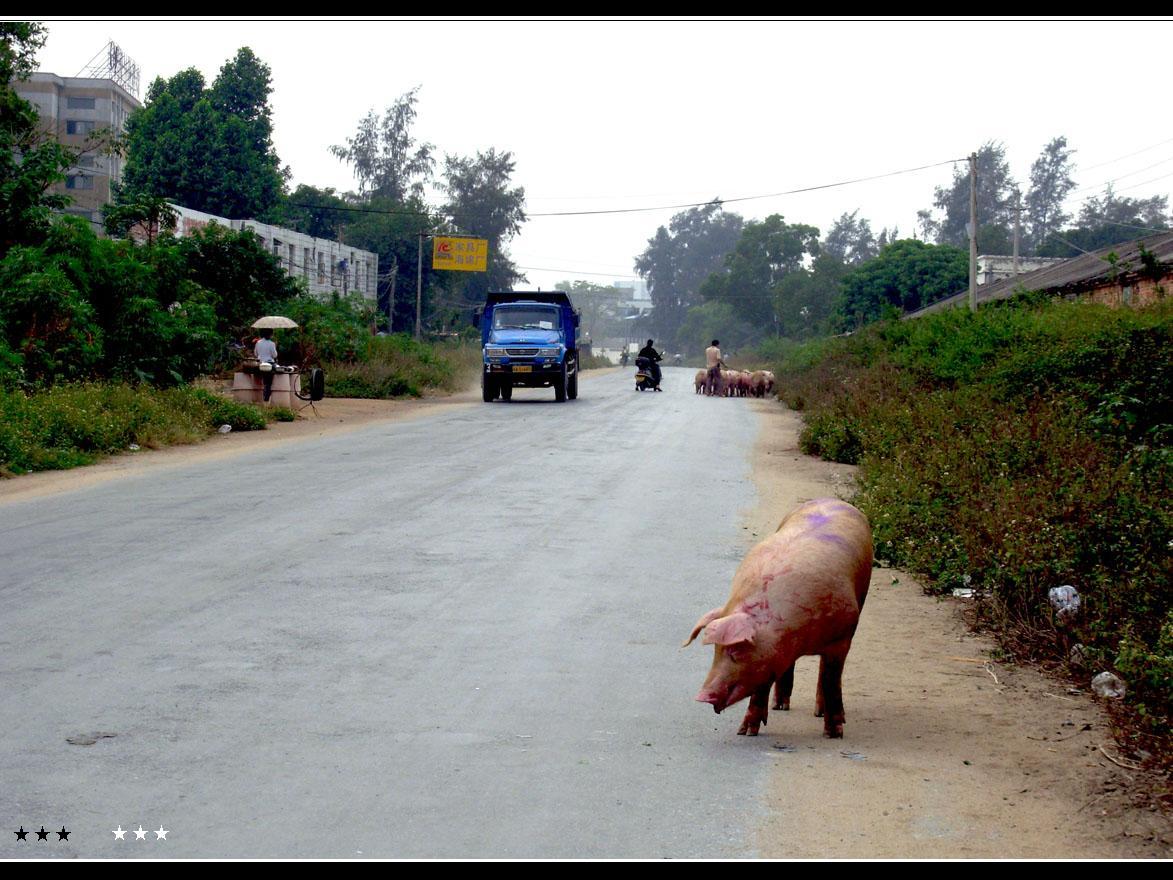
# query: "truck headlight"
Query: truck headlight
{"points": [[549, 352], [494, 351]]}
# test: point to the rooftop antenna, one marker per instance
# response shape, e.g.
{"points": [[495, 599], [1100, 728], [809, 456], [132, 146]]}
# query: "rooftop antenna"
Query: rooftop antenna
{"points": [[112, 63]]}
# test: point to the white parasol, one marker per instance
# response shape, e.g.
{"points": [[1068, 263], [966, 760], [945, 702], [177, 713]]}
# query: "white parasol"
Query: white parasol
{"points": [[276, 322]]}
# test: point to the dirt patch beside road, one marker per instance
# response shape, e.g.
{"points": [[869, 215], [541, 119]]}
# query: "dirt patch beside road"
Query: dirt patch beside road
{"points": [[947, 753]]}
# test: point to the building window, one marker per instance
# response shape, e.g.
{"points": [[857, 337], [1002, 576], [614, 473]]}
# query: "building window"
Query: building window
{"points": [[79, 181], [1126, 294], [86, 162], [75, 103], [321, 268], [79, 126]]}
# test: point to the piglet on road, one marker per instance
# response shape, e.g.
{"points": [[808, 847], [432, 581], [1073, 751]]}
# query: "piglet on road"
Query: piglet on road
{"points": [[799, 592]]}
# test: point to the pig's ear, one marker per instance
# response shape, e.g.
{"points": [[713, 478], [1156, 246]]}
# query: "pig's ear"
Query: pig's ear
{"points": [[729, 630], [705, 620]]}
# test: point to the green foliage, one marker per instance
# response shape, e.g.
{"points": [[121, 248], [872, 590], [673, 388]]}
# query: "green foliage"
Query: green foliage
{"points": [[30, 162], [906, 275], [337, 330], [206, 149], [398, 366], [766, 253], [386, 160], [715, 320], [220, 410], [1013, 450], [679, 258], [481, 202], [71, 425]]}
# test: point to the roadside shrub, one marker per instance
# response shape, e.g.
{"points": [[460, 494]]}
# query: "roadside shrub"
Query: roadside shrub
{"points": [[1012, 451]]}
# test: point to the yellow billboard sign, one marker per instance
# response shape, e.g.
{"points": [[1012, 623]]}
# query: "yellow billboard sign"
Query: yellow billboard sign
{"points": [[460, 254]]}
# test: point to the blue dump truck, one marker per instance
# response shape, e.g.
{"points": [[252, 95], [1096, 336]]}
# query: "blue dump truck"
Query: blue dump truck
{"points": [[528, 340]]}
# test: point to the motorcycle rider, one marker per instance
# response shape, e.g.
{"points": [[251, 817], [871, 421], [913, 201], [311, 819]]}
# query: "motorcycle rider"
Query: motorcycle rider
{"points": [[653, 356]]}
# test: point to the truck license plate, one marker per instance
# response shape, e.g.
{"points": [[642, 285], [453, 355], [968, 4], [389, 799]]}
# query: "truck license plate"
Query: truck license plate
{"points": [[523, 369]]}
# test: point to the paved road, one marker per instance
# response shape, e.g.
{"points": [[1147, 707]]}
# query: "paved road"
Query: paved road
{"points": [[449, 637]]}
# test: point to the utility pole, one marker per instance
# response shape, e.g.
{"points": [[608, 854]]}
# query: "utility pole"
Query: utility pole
{"points": [[973, 232], [419, 284], [1017, 227], [391, 295]]}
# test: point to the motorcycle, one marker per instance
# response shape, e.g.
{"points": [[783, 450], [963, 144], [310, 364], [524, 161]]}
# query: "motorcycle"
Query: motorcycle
{"points": [[645, 376]]}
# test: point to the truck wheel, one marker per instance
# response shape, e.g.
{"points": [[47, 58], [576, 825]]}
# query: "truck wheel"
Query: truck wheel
{"points": [[506, 390], [560, 387], [488, 388]]}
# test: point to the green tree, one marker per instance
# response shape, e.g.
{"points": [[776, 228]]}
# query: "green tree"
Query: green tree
{"points": [[850, 240], [321, 213], [805, 299], [716, 320], [906, 275], [1107, 220], [1050, 184], [995, 203], [482, 203], [680, 257], [209, 149], [766, 252], [30, 162], [386, 158]]}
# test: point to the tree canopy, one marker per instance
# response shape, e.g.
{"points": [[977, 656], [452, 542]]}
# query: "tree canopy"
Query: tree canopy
{"points": [[209, 149], [681, 256], [907, 275], [387, 161]]}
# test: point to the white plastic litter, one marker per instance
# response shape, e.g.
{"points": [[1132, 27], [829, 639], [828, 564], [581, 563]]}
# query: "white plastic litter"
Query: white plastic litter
{"points": [[1108, 685], [1065, 601], [133, 447], [224, 429]]}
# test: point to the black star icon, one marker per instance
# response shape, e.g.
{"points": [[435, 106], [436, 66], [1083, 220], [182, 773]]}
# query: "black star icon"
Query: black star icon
{"points": [[42, 834], [63, 834], [21, 834]]}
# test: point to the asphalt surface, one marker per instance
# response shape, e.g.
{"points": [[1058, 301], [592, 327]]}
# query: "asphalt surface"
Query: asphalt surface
{"points": [[456, 636]]}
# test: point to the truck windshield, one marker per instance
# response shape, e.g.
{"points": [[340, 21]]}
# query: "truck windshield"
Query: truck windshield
{"points": [[525, 319]]}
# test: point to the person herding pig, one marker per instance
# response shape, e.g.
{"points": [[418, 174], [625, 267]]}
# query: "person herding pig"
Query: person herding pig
{"points": [[796, 593]]}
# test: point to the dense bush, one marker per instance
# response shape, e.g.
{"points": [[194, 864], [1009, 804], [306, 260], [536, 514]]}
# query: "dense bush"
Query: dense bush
{"points": [[399, 366], [1012, 451], [72, 424], [78, 307]]}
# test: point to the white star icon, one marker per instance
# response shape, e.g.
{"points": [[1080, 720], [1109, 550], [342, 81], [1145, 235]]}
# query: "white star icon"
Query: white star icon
{"points": [[161, 834], [140, 834], [120, 834]]}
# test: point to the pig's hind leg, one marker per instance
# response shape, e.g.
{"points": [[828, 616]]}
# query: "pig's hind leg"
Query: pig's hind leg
{"points": [[829, 702], [783, 690], [755, 715]]}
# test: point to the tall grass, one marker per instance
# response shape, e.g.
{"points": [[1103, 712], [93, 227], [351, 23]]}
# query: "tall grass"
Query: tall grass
{"points": [[399, 366], [71, 425], [1011, 451]]}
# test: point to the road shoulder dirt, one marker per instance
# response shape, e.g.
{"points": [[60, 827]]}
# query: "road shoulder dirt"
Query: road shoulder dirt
{"points": [[947, 753]]}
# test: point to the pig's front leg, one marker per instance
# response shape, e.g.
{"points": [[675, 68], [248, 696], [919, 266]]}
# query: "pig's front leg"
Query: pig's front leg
{"points": [[755, 715], [783, 689]]}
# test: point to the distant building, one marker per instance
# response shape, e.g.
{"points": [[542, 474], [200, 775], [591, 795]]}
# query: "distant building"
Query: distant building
{"points": [[636, 289], [994, 267], [72, 109], [327, 266]]}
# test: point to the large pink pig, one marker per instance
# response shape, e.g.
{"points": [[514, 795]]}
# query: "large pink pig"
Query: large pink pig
{"points": [[796, 593]]}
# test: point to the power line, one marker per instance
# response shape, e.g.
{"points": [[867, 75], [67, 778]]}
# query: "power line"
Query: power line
{"points": [[1129, 156], [577, 272], [719, 201], [1122, 176]]}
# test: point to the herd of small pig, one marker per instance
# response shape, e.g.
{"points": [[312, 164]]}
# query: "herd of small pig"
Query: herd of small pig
{"points": [[737, 383], [797, 593]]}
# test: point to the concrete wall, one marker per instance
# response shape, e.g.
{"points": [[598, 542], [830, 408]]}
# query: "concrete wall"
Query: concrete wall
{"points": [[328, 267]]}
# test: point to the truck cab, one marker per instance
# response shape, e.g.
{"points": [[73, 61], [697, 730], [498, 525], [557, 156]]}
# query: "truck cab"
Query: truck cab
{"points": [[529, 339]]}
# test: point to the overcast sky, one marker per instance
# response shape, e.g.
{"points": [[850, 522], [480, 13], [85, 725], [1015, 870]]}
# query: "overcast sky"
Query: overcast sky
{"points": [[620, 114]]}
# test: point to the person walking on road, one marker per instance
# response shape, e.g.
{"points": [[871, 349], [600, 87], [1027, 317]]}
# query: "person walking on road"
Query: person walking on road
{"points": [[714, 363]]}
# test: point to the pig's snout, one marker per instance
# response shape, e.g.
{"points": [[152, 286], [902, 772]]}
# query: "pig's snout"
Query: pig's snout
{"points": [[719, 701]]}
